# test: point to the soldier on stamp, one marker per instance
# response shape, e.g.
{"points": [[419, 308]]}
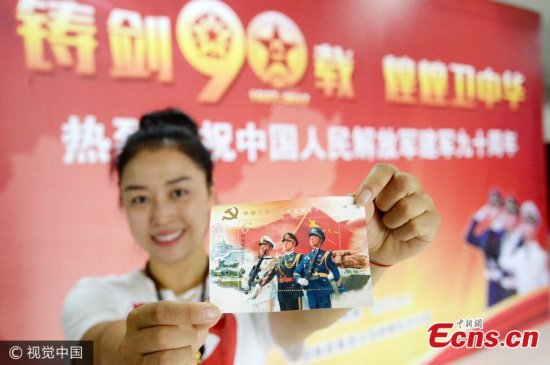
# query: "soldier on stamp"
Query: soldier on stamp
{"points": [[313, 272], [289, 292], [263, 301]]}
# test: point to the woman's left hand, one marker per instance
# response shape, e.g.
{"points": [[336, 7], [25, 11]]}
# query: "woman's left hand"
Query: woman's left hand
{"points": [[401, 218], [401, 222]]}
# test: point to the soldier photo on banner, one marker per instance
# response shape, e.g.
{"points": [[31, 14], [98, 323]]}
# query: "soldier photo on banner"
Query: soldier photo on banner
{"points": [[499, 217], [522, 254], [506, 232]]}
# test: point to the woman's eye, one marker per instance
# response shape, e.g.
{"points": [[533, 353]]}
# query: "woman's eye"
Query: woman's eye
{"points": [[179, 193], [139, 200]]}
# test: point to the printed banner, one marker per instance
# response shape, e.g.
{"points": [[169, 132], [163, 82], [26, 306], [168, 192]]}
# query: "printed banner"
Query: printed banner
{"points": [[294, 100]]}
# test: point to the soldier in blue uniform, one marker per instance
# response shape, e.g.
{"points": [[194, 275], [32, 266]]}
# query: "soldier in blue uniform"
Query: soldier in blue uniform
{"points": [[503, 216], [289, 292], [313, 271]]}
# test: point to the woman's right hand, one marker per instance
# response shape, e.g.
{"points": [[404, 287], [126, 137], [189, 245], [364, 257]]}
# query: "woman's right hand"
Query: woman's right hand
{"points": [[167, 332]]}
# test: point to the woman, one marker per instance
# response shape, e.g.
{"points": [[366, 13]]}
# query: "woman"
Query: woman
{"points": [[165, 178]]}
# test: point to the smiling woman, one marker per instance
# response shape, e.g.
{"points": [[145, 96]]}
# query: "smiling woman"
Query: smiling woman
{"points": [[165, 179]]}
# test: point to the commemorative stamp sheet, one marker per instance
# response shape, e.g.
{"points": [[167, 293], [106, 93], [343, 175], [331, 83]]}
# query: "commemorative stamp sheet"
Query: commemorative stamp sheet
{"points": [[284, 255]]}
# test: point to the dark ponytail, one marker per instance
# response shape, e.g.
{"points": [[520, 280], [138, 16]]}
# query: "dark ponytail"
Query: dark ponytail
{"points": [[169, 128]]}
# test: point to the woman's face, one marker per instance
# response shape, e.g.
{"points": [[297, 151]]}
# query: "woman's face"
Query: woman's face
{"points": [[167, 203]]}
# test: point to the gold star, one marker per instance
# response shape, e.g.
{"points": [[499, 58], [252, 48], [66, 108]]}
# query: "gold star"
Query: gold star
{"points": [[312, 223]]}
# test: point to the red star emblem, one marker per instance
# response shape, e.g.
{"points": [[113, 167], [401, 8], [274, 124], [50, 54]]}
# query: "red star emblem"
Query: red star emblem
{"points": [[277, 49], [211, 35]]}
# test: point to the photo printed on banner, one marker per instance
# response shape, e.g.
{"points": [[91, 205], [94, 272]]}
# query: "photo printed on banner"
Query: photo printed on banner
{"points": [[284, 255]]}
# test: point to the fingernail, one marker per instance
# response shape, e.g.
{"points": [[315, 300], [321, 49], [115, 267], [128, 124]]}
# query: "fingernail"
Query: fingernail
{"points": [[210, 313], [365, 197]]}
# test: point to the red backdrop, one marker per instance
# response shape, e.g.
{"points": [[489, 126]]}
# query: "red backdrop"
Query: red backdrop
{"points": [[449, 93]]}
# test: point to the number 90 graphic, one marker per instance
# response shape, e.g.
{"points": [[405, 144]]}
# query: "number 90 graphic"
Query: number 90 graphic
{"points": [[212, 39]]}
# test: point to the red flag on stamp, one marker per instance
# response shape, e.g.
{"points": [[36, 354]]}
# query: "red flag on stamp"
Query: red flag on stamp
{"points": [[339, 235]]}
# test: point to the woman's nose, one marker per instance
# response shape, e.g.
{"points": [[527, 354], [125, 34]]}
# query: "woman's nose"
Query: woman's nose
{"points": [[163, 213]]}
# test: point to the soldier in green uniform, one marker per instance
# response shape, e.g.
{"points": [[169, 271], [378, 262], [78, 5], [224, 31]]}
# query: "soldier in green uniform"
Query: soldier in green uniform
{"points": [[289, 292]]}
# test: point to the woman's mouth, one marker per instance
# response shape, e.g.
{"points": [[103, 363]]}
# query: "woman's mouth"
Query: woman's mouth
{"points": [[167, 239]]}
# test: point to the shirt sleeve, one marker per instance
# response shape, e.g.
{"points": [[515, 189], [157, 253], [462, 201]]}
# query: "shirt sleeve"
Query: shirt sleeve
{"points": [[89, 302]]}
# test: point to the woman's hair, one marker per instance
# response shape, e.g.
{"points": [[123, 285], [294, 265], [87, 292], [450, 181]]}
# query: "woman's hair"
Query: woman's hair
{"points": [[171, 129]]}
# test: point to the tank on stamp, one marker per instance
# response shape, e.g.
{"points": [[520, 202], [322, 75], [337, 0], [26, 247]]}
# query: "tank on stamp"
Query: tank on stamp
{"points": [[352, 267]]}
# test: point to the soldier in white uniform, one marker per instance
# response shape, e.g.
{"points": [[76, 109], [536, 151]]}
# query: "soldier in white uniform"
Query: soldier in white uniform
{"points": [[262, 300], [522, 254]]}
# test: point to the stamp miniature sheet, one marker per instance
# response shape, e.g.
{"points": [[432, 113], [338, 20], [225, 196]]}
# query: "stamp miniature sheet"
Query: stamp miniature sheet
{"points": [[289, 255]]}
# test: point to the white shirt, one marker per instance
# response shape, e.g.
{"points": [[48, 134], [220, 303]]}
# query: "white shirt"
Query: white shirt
{"points": [[95, 300]]}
